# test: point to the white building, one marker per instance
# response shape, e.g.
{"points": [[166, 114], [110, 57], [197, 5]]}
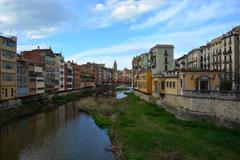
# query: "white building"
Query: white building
{"points": [[59, 72]]}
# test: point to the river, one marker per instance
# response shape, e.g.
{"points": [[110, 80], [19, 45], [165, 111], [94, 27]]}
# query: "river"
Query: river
{"points": [[61, 134]]}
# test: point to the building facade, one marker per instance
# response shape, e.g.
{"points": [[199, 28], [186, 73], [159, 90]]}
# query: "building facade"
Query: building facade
{"points": [[8, 61], [161, 58], [22, 77], [76, 75], [68, 76], [47, 58], [221, 54], [36, 78], [144, 82], [185, 82], [59, 72]]}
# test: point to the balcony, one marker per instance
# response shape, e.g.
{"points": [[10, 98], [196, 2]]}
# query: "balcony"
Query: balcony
{"points": [[227, 52], [228, 61]]}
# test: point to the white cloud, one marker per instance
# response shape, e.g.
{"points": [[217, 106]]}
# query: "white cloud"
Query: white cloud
{"points": [[172, 10], [121, 48], [99, 7], [126, 9], [35, 18], [40, 33], [180, 14]]}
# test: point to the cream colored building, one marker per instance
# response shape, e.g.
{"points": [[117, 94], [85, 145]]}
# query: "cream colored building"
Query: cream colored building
{"points": [[194, 59], [221, 54], [161, 58], [40, 80], [8, 61], [181, 63], [59, 72]]}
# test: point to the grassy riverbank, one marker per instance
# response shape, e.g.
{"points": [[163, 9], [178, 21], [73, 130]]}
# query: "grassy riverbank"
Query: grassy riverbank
{"points": [[145, 131]]}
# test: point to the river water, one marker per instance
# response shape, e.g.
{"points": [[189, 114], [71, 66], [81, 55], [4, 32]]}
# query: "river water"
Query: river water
{"points": [[61, 134]]}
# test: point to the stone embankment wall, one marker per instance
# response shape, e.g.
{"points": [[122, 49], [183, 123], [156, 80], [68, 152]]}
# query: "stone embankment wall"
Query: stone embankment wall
{"points": [[219, 111], [13, 103]]}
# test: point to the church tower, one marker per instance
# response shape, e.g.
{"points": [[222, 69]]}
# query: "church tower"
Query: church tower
{"points": [[115, 65]]}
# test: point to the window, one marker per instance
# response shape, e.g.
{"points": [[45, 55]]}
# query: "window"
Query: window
{"points": [[39, 89], [155, 86], [166, 60], [165, 53], [181, 83], [170, 84], [12, 92], [163, 85], [9, 42], [8, 65], [173, 84], [166, 68], [6, 92], [40, 80], [8, 77], [8, 54]]}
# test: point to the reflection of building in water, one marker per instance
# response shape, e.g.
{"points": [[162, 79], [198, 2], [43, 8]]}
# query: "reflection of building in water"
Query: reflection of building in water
{"points": [[40, 124], [61, 115], [69, 111]]}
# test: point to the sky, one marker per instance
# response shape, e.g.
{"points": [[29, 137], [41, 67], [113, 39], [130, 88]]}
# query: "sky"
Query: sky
{"points": [[104, 30]]}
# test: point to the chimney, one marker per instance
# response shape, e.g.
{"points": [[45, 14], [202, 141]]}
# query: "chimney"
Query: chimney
{"points": [[38, 47]]}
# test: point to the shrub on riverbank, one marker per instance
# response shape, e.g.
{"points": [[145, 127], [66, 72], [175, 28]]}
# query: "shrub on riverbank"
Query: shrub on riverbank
{"points": [[101, 121]]}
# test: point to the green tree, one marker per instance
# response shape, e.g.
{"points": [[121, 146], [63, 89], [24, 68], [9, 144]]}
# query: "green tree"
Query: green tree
{"points": [[226, 85]]}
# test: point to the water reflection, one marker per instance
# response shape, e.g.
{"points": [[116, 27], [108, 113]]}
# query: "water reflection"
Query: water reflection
{"points": [[60, 134]]}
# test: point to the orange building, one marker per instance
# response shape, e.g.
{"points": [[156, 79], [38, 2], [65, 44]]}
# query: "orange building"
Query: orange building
{"points": [[76, 76], [144, 82], [47, 58]]}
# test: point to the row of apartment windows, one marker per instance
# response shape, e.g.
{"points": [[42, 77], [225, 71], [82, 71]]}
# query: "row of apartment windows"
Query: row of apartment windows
{"points": [[6, 92], [7, 54], [170, 84], [8, 65], [9, 42], [50, 59], [40, 80], [8, 77], [22, 80], [21, 70], [22, 91], [40, 88]]}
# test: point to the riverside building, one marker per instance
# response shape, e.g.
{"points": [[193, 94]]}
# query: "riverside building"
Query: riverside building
{"points": [[8, 61]]}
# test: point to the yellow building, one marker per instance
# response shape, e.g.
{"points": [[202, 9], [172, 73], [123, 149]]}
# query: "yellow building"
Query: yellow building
{"points": [[199, 81], [144, 82], [8, 61], [165, 84], [181, 82]]}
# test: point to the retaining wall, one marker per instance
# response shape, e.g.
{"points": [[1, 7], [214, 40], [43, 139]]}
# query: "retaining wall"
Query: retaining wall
{"points": [[219, 111]]}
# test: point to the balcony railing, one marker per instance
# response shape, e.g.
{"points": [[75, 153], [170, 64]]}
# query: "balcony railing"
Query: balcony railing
{"points": [[230, 95]]}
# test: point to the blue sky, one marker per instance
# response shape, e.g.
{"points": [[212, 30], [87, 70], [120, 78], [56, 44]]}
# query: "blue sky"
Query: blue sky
{"points": [[104, 30]]}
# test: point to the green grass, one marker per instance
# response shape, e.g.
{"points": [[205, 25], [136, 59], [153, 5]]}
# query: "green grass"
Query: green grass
{"points": [[101, 121], [146, 131], [121, 89]]}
